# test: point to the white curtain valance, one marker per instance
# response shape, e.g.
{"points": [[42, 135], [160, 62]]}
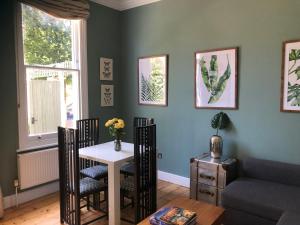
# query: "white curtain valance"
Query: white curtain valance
{"points": [[66, 9]]}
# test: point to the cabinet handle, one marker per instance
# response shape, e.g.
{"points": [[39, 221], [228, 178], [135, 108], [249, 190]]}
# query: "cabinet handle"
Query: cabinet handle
{"points": [[206, 192], [207, 177]]}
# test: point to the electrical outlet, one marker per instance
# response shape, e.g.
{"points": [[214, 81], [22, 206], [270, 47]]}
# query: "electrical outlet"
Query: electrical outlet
{"points": [[159, 155], [16, 183]]}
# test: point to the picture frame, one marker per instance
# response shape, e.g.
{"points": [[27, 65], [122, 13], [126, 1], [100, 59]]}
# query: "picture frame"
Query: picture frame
{"points": [[106, 69], [290, 77], [216, 79], [153, 80], [107, 95]]}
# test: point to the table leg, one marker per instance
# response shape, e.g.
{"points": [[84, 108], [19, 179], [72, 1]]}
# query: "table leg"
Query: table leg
{"points": [[114, 194]]}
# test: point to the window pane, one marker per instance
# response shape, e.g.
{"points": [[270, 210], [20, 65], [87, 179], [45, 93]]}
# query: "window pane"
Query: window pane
{"points": [[52, 100], [47, 40]]}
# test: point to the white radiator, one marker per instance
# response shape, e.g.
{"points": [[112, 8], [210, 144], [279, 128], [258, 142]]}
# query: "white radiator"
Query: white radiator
{"points": [[38, 167]]}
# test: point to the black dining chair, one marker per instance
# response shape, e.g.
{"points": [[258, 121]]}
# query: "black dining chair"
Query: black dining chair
{"points": [[128, 168], [142, 186], [88, 130], [72, 188]]}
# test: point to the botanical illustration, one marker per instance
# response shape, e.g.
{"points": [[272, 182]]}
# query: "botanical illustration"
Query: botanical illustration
{"points": [[106, 69], [293, 97], [152, 80], [216, 79], [214, 83], [107, 95], [291, 77]]}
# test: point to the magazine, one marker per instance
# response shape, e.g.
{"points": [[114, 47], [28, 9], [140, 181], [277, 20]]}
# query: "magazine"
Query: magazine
{"points": [[173, 216]]}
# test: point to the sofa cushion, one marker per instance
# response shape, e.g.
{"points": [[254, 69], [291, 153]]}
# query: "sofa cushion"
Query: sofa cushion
{"points": [[261, 198], [279, 172], [289, 218]]}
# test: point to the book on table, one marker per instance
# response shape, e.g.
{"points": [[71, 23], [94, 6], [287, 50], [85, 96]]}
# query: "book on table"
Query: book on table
{"points": [[173, 216]]}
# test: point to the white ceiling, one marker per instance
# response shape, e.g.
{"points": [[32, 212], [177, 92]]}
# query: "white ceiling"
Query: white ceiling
{"points": [[124, 4]]}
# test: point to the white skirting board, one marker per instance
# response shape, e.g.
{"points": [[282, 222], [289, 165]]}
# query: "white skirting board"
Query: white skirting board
{"points": [[173, 178], [25, 196]]}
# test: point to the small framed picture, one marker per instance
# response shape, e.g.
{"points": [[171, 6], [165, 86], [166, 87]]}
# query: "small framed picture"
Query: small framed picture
{"points": [[216, 79], [153, 80], [106, 69], [290, 81], [107, 95]]}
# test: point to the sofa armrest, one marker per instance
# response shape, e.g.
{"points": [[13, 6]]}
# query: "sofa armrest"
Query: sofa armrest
{"points": [[289, 218]]}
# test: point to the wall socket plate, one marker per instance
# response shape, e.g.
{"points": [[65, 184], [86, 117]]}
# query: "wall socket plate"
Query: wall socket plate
{"points": [[159, 155]]}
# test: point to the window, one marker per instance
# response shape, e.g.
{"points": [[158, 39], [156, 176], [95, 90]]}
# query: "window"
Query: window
{"points": [[51, 75]]}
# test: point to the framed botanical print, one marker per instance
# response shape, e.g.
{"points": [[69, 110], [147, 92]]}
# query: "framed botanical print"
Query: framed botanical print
{"points": [[290, 82], [153, 80], [106, 69], [216, 78], [107, 95]]}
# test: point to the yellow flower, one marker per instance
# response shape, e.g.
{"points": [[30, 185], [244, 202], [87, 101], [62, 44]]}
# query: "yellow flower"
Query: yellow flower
{"points": [[114, 120], [117, 126], [109, 123], [121, 123]]}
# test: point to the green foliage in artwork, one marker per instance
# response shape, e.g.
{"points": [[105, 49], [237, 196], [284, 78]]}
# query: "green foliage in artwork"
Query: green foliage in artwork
{"points": [[293, 96], [215, 85], [152, 89], [46, 39]]}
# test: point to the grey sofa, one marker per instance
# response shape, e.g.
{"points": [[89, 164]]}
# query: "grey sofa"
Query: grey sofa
{"points": [[268, 193]]}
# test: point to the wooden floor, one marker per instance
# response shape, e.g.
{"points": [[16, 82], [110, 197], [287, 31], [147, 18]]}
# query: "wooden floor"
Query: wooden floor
{"points": [[45, 211]]}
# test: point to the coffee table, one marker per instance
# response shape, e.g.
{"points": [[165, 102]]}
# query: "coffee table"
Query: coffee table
{"points": [[207, 214]]}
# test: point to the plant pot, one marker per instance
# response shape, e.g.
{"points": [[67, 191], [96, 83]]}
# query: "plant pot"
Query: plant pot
{"points": [[118, 145], [216, 146]]}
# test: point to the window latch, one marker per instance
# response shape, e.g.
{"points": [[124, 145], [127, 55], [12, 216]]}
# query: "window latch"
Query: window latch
{"points": [[33, 120]]}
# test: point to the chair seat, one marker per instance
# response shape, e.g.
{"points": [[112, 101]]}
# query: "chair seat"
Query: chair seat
{"points": [[128, 169], [95, 172], [89, 186], [127, 185]]}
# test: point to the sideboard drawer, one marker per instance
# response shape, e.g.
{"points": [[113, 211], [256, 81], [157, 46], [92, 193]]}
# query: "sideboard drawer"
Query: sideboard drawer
{"points": [[207, 193], [207, 174]]}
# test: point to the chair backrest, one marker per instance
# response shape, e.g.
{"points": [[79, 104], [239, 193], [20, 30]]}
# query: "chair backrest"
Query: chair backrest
{"points": [[88, 130], [69, 176], [142, 121], [145, 171]]}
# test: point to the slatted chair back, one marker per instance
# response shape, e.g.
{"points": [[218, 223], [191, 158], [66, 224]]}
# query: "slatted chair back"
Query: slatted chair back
{"points": [[88, 130], [145, 178], [69, 179], [142, 121]]}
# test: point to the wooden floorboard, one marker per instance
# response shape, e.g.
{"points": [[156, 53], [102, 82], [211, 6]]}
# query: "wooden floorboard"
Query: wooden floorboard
{"points": [[45, 210]]}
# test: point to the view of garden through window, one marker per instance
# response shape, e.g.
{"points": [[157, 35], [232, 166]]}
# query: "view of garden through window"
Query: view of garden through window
{"points": [[51, 65]]}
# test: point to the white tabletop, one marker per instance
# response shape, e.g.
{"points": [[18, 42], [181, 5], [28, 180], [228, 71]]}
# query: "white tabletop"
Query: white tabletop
{"points": [[105, 153]]}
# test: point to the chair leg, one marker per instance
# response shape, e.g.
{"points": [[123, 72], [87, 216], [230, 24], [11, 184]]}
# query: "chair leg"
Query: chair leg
{"points": [[88, 202]]}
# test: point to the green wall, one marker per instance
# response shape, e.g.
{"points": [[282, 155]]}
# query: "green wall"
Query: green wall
{"points": [[8, 99], [103, 35], [179, 28]]}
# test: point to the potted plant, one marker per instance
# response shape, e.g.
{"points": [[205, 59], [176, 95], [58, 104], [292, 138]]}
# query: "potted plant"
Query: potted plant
{"points": [[116, 129], [220, 121]]}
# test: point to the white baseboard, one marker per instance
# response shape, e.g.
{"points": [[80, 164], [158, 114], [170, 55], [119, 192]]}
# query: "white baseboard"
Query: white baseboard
{"points": [[173, 178], [25, 196]]}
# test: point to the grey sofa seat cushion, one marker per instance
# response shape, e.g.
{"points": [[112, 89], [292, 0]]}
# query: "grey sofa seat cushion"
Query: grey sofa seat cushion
{"points": [[278, 172], [289, 218], [261, 198]]}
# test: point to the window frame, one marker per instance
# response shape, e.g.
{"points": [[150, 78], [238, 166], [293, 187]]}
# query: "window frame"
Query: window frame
{"points": [[25, 141]]}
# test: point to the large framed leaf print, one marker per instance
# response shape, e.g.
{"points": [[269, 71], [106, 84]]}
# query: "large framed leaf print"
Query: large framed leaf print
{"points": [[290, 84], [153, 80], [216, 79]]}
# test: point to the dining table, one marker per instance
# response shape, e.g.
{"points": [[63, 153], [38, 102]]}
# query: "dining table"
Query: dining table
{"points": [[106, 154]]}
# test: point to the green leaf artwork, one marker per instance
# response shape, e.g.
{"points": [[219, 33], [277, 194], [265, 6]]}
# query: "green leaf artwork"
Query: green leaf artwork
{"points": [[152, 86], [214, 83], [293, 96]]}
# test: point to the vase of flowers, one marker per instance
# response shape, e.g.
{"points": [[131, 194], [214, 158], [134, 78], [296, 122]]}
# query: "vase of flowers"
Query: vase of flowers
{"points": [[219, 121], [116, 129]]}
